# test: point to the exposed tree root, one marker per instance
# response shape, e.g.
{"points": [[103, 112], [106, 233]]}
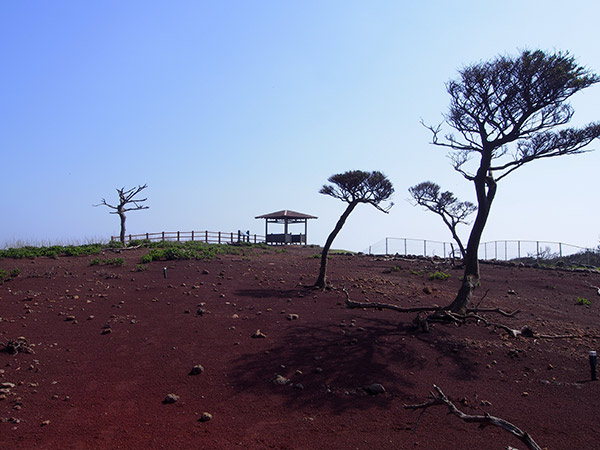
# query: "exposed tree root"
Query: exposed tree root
{"points": [[440, 314], [14, 346], [439, 398]]}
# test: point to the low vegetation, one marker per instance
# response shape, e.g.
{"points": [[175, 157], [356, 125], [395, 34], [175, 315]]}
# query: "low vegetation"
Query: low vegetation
{"points": [[107, 262], [53, 251], [5, 275], [168, 250]]}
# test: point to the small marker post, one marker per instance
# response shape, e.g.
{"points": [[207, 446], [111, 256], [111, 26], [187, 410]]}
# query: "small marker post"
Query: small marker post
{"points": [[165, 272], [593, 361]]}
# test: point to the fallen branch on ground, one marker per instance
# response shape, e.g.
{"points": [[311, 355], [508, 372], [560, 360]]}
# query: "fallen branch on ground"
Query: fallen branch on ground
{"points": [[439, 398]]}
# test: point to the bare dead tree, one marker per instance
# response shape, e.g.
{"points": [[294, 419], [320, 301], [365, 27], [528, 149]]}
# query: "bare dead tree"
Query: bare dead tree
{"points": [[353, 187], [438, 398], [126, 197], [444, 204], [508, 112]]}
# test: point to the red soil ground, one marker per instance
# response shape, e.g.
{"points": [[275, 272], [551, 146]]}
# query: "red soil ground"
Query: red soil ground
{"points": [[82, 389]]}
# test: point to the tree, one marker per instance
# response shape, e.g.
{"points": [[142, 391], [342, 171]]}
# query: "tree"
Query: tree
{"points": [[353, 187], [446, 205], [508, 112], [126, 198]]}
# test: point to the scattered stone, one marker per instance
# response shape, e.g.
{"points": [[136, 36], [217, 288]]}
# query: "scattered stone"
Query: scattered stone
{"points": [[170, 398], [196, 370], [375, 388], [427, 290], [106, 331], [69, 318], [7, 385], [299, 386], [511, 292], [319, 370], [44, 423], [281, 380], [200, 311], [486, 403], [205, 272], [258, 335], [205, 417], [292, 316]]}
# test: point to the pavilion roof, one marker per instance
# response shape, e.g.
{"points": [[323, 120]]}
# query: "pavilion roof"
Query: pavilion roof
{"points": [[286, 214]]}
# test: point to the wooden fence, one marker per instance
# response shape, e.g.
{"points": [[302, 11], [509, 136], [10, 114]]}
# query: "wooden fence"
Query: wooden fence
{"points": [[210, 237]]}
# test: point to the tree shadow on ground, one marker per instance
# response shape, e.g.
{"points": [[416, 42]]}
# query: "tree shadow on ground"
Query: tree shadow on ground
{"points": [[332, 365]]}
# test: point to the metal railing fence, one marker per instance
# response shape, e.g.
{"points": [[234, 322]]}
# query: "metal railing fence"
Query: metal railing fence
{"points": [[504, 250]]}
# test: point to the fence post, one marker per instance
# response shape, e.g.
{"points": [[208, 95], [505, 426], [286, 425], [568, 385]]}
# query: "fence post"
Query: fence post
{"points": [[444, 250], [163, 235], [386, 246], [519, 248], [496, 250], [130, 239], [192, 235], [178, 236], [505, 250], [219, 237], [206, 236], [485, 250], [405, 247], [424, 247], [231, 237], [560, 249], [537, 246]]}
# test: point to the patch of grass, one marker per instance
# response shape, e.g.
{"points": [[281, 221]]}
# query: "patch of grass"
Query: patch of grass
{"points": [[396, 269], [53, 251], [583, 301], [173, 250], [5, 275], [140, 268], [439, 275], [107, 262]]}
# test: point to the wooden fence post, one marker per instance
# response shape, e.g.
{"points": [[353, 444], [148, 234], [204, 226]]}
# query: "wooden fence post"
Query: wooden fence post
{"points": [[192, 235], [219, 237]]}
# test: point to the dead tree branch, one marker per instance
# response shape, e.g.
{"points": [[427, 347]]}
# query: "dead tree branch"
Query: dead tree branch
{"points": [[439, 398]]}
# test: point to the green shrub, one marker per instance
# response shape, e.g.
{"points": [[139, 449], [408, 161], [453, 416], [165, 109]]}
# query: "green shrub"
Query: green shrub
{"points": [[5, 275], [439, 276], [107, 262]]}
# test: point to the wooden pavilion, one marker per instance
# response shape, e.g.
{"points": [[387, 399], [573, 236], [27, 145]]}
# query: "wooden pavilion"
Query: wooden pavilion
{"points": [[285, 217]]}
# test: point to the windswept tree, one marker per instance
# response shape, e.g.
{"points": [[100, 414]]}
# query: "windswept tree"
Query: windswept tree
{"points": [[444, 204], [126, 198], [353, 187], [508, 112]]}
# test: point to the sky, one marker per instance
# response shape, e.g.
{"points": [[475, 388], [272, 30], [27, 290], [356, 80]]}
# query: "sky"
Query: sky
{"points": [[232, 109]]}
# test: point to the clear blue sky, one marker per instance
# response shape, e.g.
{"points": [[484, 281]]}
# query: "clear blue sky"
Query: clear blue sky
{"points": [[232, 109]]}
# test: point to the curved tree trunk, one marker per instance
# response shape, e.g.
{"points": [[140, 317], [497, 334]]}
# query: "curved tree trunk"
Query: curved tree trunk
{"points": [[321, 281], [485, 187]]}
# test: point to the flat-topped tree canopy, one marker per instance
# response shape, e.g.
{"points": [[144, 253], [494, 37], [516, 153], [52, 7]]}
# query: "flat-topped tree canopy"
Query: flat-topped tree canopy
{"points": [[285, 217]]}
